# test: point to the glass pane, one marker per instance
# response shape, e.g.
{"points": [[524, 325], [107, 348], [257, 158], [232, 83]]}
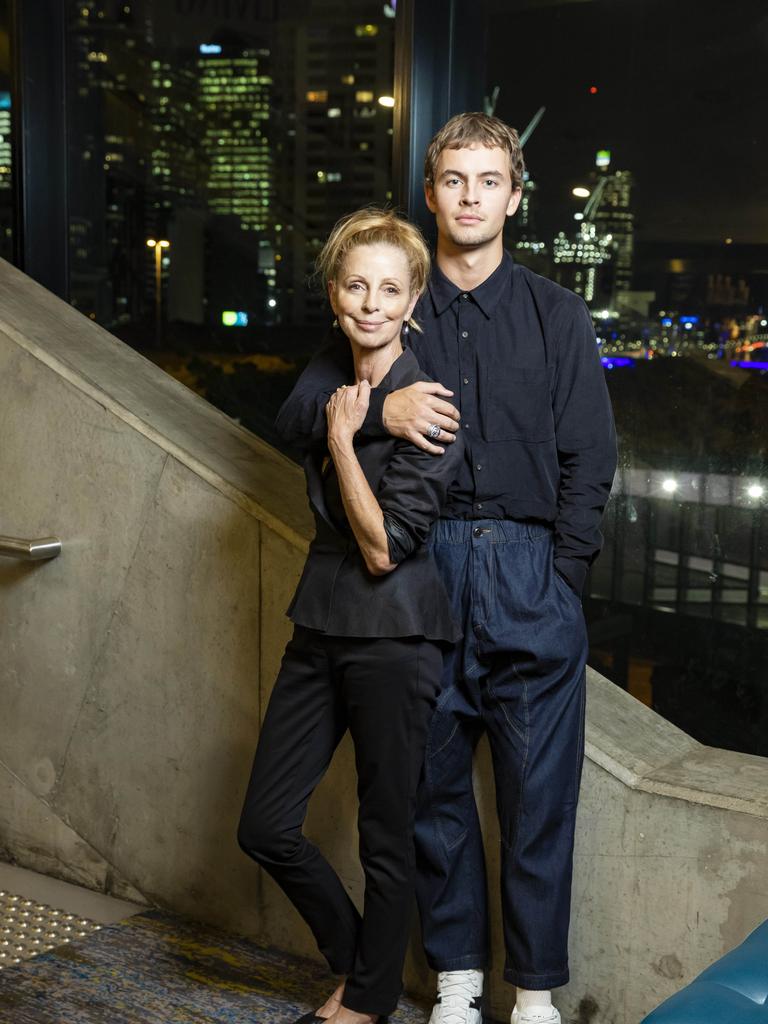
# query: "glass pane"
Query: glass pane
{"points": [[6, 127], [213, 146], [646, 195]]}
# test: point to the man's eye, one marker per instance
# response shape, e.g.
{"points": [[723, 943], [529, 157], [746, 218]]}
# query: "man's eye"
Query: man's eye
{"points": [[491, 181]]}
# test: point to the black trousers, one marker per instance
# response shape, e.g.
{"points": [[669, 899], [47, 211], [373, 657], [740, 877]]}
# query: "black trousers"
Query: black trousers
{"points": [[383, 691]]}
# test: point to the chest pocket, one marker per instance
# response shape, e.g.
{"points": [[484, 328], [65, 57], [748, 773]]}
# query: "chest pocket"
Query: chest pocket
{"points": [[518, 405]]}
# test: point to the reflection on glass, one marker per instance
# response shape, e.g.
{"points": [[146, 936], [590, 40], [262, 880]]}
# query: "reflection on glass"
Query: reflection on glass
{"points": [[239, 133], [6, 157], [644, 197]]}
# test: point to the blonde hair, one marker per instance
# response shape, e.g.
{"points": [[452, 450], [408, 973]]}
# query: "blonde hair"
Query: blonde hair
{"points": [[373, 226], [464, 130]]}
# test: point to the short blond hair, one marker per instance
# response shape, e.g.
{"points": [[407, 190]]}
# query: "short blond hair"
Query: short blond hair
{"points": [[478, 129], [372, 226]]}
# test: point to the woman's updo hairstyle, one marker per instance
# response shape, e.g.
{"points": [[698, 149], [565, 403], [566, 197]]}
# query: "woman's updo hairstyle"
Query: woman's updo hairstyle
{"points": [[372, 226]]}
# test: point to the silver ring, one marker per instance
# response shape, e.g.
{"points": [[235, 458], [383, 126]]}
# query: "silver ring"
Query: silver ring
{"points": [[434, 431]]}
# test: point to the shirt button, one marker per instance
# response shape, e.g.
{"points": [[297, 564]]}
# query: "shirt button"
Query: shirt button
{"points": [[466, 380], [479, 506], [466, 426], [479, 466], [465, 296], [465, 334]]}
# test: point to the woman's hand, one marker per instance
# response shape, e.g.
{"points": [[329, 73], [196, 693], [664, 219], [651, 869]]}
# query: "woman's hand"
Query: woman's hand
{"points": [[346, 411]]}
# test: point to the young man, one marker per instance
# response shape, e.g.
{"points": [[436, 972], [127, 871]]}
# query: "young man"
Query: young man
{"points": [[518, 356]]}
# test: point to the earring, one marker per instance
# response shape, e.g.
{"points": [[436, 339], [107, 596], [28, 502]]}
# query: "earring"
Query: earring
{"points": [[406, 329], [335, 324]]}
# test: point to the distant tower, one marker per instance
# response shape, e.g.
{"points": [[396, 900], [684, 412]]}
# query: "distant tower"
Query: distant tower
{"points": [[528, 248], [338, 135], [235, 93], [6, 195], [613, 215], [578, 261]]}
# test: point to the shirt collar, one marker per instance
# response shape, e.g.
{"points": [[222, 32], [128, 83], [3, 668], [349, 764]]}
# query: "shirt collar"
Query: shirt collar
{"points": [[486, 295], [402, 367]]}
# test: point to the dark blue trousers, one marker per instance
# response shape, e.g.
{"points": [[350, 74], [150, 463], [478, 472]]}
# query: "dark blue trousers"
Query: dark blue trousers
{"points": [[517, 675]]}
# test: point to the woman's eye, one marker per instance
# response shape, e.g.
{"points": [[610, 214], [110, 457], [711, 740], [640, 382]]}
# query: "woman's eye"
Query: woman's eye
{"points": [[393, 291]]}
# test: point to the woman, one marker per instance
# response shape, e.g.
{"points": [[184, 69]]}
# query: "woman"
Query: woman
{"points": [[370, 616]]}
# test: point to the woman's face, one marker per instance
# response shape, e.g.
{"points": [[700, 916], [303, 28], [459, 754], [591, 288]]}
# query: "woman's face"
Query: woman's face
{"points": [[372, 297]]}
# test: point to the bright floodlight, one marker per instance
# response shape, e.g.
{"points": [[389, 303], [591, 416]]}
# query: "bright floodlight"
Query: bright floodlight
{"points": [[387, 101], [669, 485], [151, 243], [755, 490], [580, 192]]}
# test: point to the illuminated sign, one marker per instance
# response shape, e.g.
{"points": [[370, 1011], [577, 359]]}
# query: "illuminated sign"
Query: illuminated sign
{"points": [[689, 319], [5, 101], [603, 158], [234, 318], [210, 48]]}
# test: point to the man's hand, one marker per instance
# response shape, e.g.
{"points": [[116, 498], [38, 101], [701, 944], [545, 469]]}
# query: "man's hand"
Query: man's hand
{"points": [[411, 411]]}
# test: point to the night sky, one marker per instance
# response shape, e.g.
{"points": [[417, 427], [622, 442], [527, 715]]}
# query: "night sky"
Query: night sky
{"points": [[681, 102]]}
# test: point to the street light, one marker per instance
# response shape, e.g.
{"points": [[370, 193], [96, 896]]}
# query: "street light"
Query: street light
{"points": [[158, 245]]}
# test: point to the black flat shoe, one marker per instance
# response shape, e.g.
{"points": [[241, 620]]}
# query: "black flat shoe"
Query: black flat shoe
{"points": [[312, 1018]]}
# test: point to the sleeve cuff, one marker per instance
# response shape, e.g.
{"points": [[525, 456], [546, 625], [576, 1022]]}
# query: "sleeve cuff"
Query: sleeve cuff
{"points": [[399, 541], [373, 425], [573, 571]]}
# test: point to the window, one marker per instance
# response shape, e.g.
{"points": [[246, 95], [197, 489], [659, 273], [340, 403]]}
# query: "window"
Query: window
{"points": [[623, 204]]}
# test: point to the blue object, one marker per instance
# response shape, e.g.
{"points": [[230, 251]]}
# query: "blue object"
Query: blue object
{"points": [[734, 990]]}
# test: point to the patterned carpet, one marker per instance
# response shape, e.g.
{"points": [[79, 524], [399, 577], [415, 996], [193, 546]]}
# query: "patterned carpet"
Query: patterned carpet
{"points": [[155, 968]]}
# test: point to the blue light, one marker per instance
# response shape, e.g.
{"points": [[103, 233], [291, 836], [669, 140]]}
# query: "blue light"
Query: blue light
{"points": [[745, 364], [666, 322], [210, 48], [689, 319], [5, 101], [610, 362]]}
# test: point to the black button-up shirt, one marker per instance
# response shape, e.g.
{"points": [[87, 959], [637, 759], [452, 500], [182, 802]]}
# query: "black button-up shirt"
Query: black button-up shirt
{"points": [[520, 355]]}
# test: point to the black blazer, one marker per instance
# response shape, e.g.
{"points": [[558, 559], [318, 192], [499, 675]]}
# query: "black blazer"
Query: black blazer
{"points": [[336, 593]]}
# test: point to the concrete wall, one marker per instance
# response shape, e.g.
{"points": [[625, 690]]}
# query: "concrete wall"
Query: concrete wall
{"points": [[135, 669]]}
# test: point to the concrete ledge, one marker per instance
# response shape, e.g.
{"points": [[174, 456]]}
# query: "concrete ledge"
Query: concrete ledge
{"points": [[250, 472], [650, 754]]}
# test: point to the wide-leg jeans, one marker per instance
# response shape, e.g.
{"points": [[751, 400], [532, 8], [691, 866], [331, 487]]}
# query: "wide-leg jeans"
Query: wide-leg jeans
{"points": [[519, 676], [383, 691]]}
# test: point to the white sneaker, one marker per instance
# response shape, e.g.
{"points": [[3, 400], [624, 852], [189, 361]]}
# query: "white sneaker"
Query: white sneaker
{"points": [[536, 1015], [458, 998]]}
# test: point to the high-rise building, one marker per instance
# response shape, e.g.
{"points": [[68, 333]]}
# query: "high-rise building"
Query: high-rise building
{"points": [[235, 101], [6, 182], [337, 136], [612, 215], [579, 261], [529, 249], [109, 141]]}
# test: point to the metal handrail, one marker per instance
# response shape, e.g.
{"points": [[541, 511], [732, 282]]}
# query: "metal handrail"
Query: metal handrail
{"points": [[30, 550]]}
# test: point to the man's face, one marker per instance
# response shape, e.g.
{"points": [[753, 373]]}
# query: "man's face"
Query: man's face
{"points": [[472, 195]]}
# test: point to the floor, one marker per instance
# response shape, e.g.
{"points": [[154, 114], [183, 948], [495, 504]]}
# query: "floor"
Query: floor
{"points": [[71, 956]]}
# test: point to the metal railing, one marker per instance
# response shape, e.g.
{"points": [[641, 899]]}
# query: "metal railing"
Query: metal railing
{"points": [[30, 550]]}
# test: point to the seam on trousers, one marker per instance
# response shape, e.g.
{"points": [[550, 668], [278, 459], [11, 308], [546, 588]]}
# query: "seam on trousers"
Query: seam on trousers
{"points": [[513, 725], [580, 743], [512, 847]]}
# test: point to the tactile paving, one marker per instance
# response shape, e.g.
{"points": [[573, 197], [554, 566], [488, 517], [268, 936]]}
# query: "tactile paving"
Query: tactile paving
{"points": [[28, 928]]}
